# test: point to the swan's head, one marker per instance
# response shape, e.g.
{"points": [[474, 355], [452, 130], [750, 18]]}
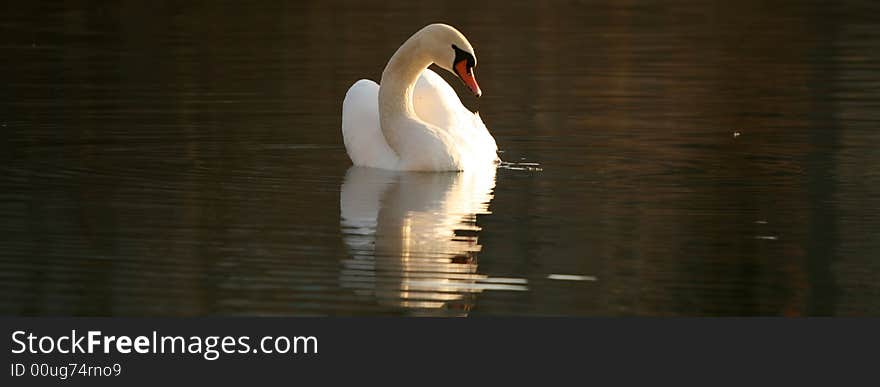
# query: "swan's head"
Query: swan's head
{"points": [[451, 51]]}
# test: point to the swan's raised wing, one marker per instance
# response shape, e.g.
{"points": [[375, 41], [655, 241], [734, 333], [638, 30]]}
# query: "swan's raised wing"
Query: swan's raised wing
{"points": [[436, 103], [361, 132]]}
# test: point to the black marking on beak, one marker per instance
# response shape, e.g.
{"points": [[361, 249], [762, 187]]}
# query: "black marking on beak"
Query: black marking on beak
{"points": [[461, 55]]}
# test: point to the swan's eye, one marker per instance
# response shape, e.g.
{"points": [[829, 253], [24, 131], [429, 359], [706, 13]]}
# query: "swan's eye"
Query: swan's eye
{"points": [[463, 56]]}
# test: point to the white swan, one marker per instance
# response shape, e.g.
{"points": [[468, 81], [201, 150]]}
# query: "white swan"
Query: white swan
{"points": [[414, 121]]}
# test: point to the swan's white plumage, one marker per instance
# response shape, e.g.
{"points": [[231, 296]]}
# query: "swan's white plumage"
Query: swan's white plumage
{"points": [[415, 120], [361, 131], [435, 102]]}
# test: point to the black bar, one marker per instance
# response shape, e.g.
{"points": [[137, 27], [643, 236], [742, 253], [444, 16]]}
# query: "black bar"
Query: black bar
{"points": [[494, 350]]}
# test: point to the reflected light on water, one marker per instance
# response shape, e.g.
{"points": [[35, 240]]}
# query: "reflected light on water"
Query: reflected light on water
{"points": [[571, 277], [413, 239]]}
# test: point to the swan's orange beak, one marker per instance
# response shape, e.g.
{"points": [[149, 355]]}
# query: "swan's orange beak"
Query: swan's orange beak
{"points": [[467, 76]]}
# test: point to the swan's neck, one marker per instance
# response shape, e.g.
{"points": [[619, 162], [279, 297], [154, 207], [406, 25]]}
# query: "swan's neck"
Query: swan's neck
{"points": [[396, 89]]}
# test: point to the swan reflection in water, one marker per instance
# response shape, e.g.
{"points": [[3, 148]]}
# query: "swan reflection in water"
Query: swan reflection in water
{"points": [[412, 238]]}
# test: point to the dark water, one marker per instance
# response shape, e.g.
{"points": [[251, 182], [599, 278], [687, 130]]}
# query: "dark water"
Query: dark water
{"points": [[696, 158]]}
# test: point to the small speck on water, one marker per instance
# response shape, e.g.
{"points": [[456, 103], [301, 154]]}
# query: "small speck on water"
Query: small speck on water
{"points": [[766, 237], [760, 222], [736, 134]]}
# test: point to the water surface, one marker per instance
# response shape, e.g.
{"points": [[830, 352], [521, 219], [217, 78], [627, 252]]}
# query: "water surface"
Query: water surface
{"points": [[695, 158]]}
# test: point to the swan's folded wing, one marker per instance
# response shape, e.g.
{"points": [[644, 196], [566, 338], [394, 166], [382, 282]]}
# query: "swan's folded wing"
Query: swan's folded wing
{"points": [[436, 103], [361, 132]]}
